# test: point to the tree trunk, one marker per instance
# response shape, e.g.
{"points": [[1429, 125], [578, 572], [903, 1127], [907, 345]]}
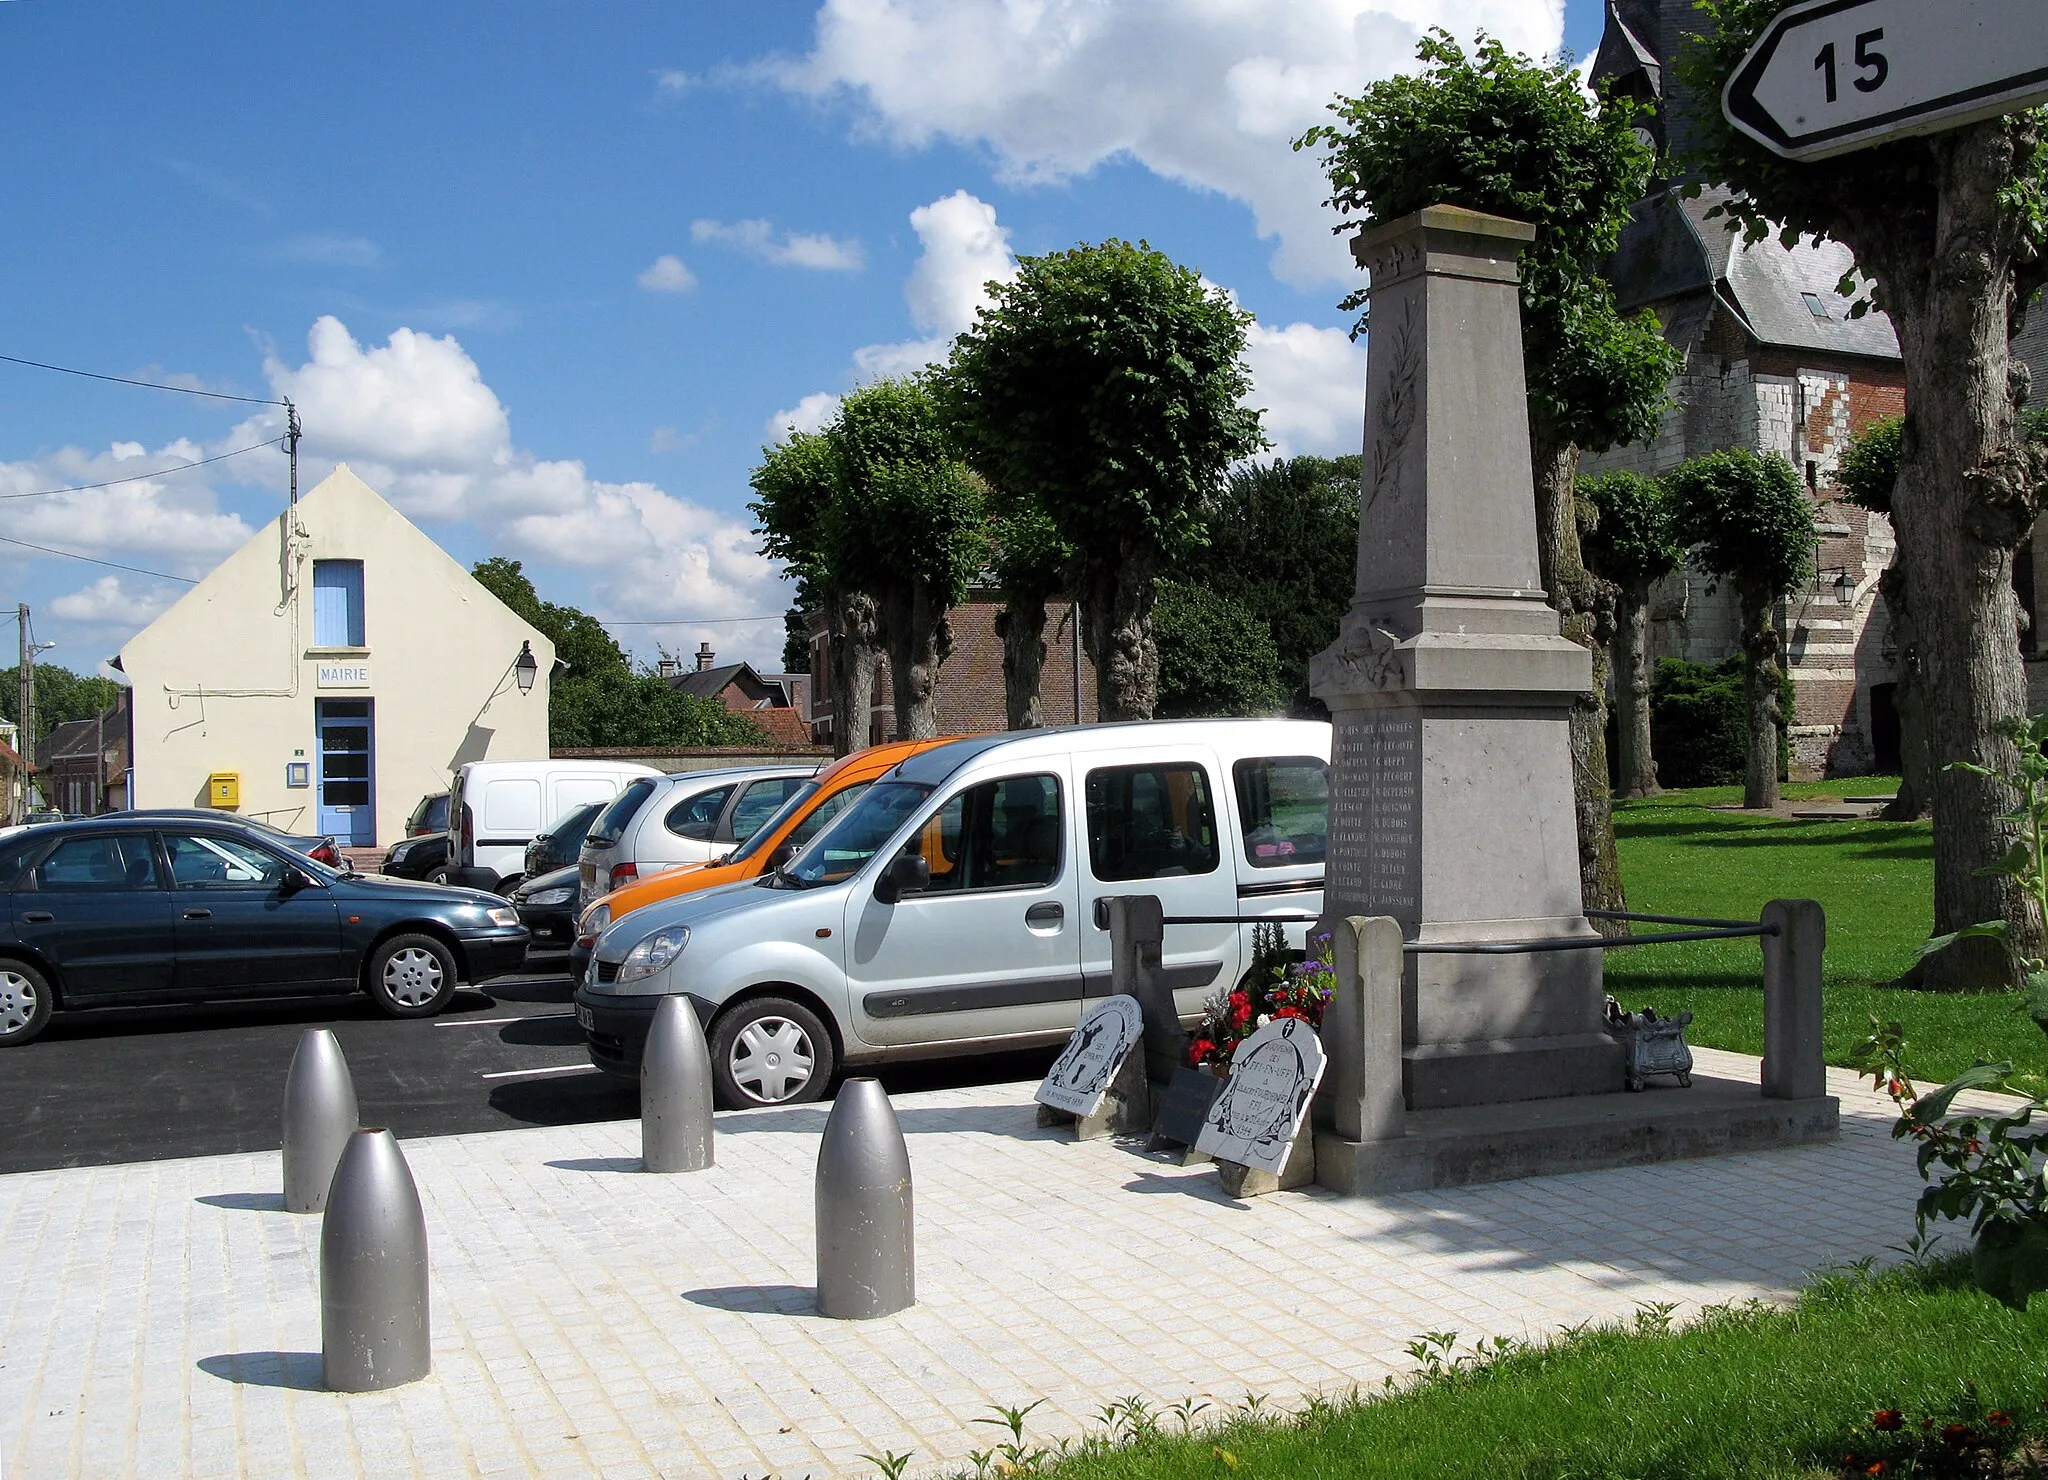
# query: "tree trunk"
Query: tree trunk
{"points": [[1635, 762], [1117, 608], [919, 640], [1762, 674], [1585, 615], [1967, 492], [850, 622], [1021, 625], [1910, 805]]}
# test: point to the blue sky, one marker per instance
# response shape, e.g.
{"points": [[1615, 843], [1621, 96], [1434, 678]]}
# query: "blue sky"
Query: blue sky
{"points": [[549, 276]]}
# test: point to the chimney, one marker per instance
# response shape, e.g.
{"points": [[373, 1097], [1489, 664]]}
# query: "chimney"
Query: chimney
{"points": [[668, 667], [703, 656]]}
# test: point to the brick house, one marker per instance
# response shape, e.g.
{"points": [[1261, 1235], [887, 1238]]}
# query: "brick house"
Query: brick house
{"points": [[83, 763], [969, 693], [1772, 362], [778, 702]]}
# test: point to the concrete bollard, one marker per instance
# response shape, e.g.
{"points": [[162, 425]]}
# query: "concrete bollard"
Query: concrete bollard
{"points": [[675, 1092], [1795, 1067], [867, 1262], [319, 1117], [1361, 1096], [373, 1271]]}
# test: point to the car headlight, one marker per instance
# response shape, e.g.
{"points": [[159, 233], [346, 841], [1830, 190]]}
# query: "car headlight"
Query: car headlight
{"points": [[502, 916], [550, 896], [653, 953], [401, 850], [596, 920]]}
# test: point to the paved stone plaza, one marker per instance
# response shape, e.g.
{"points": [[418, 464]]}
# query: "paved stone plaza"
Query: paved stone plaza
{"points": [[162, 1318]]}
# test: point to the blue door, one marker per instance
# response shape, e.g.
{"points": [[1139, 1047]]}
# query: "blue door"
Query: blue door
{"points": [[346, 762]]}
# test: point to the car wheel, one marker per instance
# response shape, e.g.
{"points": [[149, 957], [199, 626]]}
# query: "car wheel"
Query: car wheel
{"points": [[770, 1051], [438, 874], [411, 976], [25, 1003]]}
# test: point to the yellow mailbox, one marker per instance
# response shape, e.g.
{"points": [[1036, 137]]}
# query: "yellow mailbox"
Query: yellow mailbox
{"points": [[224, 789]]}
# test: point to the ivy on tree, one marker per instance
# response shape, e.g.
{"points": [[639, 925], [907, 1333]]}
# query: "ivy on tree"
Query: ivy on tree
{"points": [[1948, 231], [1495, 132], [1625, 532], [1104, 384], [1031, 564], [1746, 520], [603, 699]]}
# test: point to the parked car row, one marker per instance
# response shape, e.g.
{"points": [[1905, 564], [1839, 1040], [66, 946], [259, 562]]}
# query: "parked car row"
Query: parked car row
{"points": [[950, 904], [190, 906]]}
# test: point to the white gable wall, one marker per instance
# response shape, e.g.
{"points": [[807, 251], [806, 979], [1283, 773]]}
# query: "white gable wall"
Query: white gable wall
{"points": [[227, 679]]}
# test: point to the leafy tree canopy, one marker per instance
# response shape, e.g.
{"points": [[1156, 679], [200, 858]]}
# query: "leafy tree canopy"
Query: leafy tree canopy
{"points": [[1495, 132], [1283, 545], [1629, 539], [1104, 384], [1870, 464], [905, 510], [579, 638], [61, 696], [1744, 517], [794, 487], [1216, 657]]}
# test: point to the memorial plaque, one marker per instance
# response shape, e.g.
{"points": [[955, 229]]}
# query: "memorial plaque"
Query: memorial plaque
{"points": [[1185, 1106], [1273, 1076], [1082, 1073]]}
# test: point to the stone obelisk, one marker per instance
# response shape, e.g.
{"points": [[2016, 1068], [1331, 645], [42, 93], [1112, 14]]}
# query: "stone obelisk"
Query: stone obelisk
{"points": [[1450, 685]]}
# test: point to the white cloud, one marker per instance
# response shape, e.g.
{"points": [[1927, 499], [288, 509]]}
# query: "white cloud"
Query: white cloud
{"points": [[1207, 94], [325, 249], [110, 602], [813, 250], [964, 251], [171, 517], [667, 274], [812, 414], [1310, 383]]}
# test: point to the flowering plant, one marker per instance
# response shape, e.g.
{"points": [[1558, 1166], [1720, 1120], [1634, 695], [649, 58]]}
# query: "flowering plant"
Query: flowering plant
{"points": [[1274, 988]]}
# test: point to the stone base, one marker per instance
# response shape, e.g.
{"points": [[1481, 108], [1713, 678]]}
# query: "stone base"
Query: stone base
{"points": [[1299, 1170], [1125, 1110], [1540, 1138], [1445, 1075]]}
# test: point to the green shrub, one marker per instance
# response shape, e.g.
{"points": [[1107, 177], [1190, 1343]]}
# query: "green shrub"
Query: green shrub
{"points": [[1699, 723], [1215, 656]]}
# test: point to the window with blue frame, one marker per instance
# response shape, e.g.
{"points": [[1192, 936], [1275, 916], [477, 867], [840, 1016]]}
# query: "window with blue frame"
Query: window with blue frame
{"points": [[338, 603]]}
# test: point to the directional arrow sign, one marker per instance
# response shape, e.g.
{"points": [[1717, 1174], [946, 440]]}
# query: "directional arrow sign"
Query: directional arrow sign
{"points": [[1829, 76]]}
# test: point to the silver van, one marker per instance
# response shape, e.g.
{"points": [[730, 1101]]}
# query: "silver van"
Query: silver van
{"points": [[659, 822], [952, 908]]}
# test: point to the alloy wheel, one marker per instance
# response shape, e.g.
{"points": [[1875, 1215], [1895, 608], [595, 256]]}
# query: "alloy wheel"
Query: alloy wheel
{"points": [[412, 977], [771, 1059], [18, 1001]]}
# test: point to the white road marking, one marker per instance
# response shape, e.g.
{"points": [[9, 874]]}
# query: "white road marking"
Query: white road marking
{"points": [[538, 1017], [535, 1073]]}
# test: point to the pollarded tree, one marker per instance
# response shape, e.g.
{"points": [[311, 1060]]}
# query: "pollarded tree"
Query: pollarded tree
{"points": [[907, 525], [1105, 384], [1629, 544], [1745, 520], [1949, 229], [795, 487], [1504, 134], [1031, 563]]}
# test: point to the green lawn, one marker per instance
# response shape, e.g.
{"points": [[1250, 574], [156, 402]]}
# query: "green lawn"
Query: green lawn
{"points": [[1875, 879], [1756, 1393]]}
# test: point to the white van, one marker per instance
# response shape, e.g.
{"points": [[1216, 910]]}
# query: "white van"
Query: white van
{"points": [[952, 908], [495, 808]]}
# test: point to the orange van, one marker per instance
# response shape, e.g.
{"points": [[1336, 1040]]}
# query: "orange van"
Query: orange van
{"points": [[779, 839]]}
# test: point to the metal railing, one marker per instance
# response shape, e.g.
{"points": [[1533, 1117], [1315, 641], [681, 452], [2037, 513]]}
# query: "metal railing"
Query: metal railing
{"points": [[1712, 930]]}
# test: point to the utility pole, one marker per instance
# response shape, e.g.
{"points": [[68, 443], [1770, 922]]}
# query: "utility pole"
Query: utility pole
{"points": [[24, 706]]}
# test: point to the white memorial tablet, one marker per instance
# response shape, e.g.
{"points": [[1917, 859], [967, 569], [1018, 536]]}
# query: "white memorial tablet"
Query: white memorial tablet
{"points": [[1080, 1075], [1273, 1076]]}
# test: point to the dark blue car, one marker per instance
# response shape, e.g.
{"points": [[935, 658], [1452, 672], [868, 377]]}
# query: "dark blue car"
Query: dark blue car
{"points": [[128, 910]]}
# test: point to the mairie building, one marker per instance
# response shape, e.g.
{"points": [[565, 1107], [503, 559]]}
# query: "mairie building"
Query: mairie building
{"points": [[331, 672]]}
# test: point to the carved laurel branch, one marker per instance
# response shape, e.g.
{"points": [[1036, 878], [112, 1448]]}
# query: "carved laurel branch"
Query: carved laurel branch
{"points": [[1395, 420]]}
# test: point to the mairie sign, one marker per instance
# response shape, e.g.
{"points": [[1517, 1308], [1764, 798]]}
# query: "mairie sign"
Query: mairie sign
{"points": [[1829, 76]]}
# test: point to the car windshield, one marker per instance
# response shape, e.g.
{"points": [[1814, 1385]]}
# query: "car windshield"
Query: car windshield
{"points": [[797, 801], [861, 831]]}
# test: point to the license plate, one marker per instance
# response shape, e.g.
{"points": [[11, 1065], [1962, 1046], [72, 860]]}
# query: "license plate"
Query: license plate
{"points": [[584, 1017]]}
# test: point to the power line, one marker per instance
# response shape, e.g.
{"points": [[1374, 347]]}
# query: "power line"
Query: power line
{"points": [[145, 477], [148, 385], [95, 560]]}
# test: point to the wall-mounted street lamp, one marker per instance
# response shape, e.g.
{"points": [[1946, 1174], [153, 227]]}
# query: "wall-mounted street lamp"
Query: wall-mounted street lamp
{"points": [[525, 668], [1845, 587]]}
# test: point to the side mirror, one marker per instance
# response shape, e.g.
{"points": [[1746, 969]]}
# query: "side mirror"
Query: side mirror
{"points": [[780, 856], [907, 873], [294, 880]]}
